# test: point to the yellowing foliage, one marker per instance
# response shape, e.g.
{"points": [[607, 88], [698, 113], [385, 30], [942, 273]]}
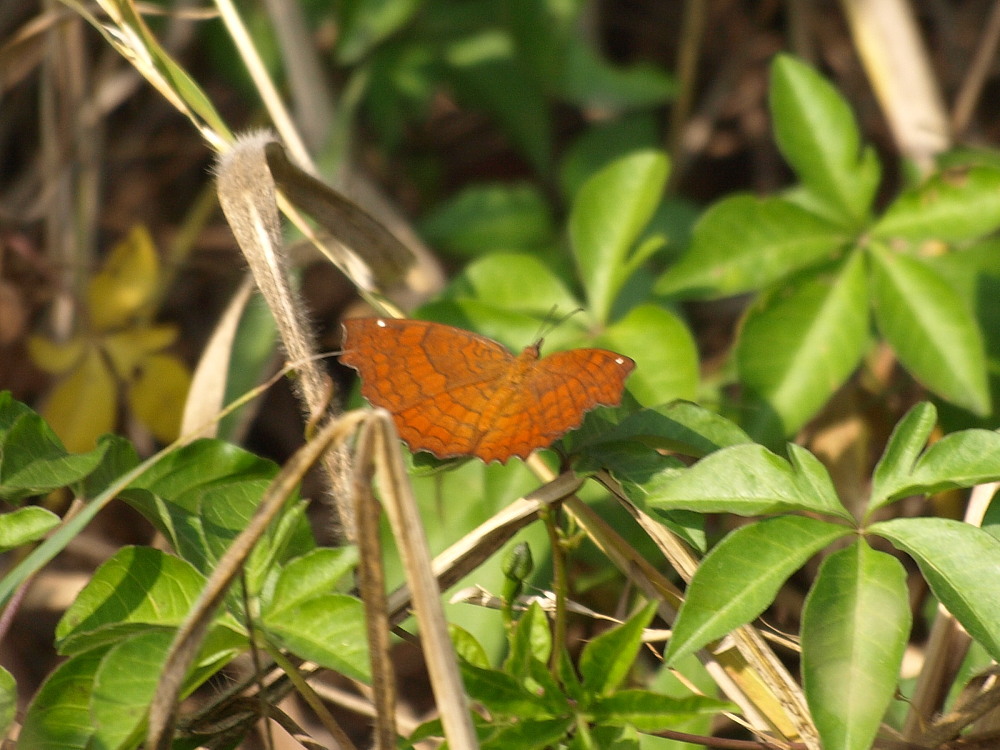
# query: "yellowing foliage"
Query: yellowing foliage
{"points": [[119, 357]]}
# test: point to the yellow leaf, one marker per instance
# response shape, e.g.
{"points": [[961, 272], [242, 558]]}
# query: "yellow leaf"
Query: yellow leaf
{"points": [[84, 405], [157, 395], [128, 348], [53, 357], [126, 284]]}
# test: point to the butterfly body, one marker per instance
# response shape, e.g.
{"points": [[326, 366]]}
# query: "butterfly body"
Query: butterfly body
{"points": [[453, 393]]}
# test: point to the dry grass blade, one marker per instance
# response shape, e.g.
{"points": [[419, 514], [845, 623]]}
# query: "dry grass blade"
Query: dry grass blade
{"points": [[208, 386], [888, 41], [408, 531], [371, 583], [357, 231], [467, 553]]}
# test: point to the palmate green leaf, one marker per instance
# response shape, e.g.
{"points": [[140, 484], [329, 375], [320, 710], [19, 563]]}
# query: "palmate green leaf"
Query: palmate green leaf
{"points": [[742, 574], [893, 469], [607, 659], [743, 243], [961, 563], [949, 206], [608, 216], [930, 328], [961, 459], [58, 717], [855, 625], [136, 589], [747, 480], [799, 343], [25, 525], [817, 134], [648, 711]]}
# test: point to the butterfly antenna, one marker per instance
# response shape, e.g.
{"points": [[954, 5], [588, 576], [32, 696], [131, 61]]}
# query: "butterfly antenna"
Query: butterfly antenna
{"points": [[551, 322]]}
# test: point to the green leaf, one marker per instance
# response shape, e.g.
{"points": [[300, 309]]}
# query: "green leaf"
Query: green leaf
{"points": [[136, 589], [501, 694], [814, 480], [33, 460], [518, 283], [328, 629], [680, 427], [486, 218], [363, 24], [743, 243], [651, 712], [664, 351], [608, 216], [119, 459], [124, 685], [817, 134], [8, 701], [950, 206], [894, 467], [467, 647], [960, 563], [317, 573], [570, 680], [742, 574], [532, 641], [487, 75], [606, 660], [855, 626], [542, 682], [747, 480], [961, 459], [600, 144], [799, 343], [59, 715], [202, 496], [530, 734], [974, 272], [930, 328], [592, 82], [25, 525]]}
